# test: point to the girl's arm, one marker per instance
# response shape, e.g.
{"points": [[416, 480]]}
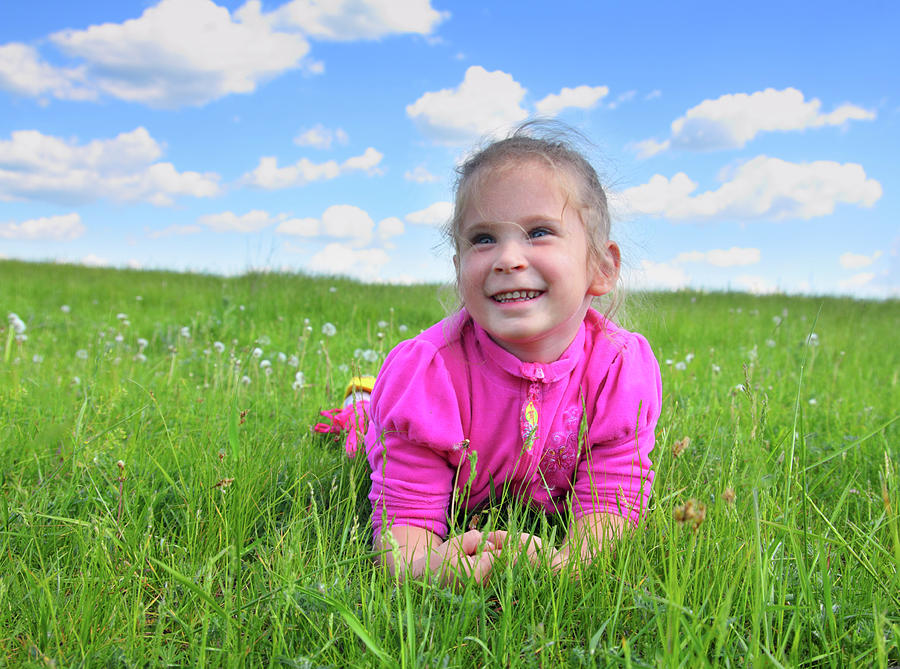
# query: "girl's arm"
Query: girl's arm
{"points": [[587, 537], [418, 553]]}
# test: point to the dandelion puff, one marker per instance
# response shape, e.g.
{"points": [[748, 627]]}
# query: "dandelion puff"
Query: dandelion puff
{"points": [[241, 307], [403, 328], [681, 366], [716, 369], [17, 324], [37, 358], [812, 339], [281, 357], [305, 321], [265, 364], [119, 338], [142, 343], [669, 361], [382, 324], [140, 357], [76, 380], [293, 361], [299, 378], [689, 357], [257, 352], [121, 316], [186, 332], [138, 298], [126, 323], [332, 289], [296, 385], [329, 330], [245, 380], [21, 338], [65, 308], [268, 371], [344, 368], [81, 354], [812, 401], [776, 320], [770, 343], [219, 347]]}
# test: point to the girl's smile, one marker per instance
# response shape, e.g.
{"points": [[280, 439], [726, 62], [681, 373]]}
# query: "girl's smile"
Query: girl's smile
{"points": [[524, 271]]}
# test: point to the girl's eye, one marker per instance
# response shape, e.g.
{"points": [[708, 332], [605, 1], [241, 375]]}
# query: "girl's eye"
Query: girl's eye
{"points": [[482, 239], [538, 232]]}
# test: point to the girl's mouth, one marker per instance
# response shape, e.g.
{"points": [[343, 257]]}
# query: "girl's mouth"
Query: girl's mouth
{"points": [[516, 296]]}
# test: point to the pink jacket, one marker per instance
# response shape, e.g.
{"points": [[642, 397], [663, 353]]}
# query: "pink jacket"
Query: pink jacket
{"points": [[451, 393]]}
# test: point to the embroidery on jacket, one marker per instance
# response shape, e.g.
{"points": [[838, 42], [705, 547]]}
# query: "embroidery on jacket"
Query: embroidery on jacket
{"points": [[562, 447]]}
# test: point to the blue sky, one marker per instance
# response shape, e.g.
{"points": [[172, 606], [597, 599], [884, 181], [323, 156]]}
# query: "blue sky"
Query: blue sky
{"points": [[747, 146]]}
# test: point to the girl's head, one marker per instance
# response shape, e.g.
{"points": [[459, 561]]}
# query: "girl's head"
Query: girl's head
{"points": [[531, 235]]}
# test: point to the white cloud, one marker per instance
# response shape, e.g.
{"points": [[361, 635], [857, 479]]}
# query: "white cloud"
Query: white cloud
{"points": [[299, 227], [856, 281], [35, 166], [857, 260], [760, 188], [343, 20], [92, 260], [484, 103], [420, 175], [732, 257], [656, 276], [580, 97], [338, 259], [228, 221], [758, 285], [271, 177], [436, 214], [320, 137], [649, 147], [730, 121], [347, 221], [183, 52], [175, 230], [627, 96], [50, 228], [24, 73], [390, 227]]}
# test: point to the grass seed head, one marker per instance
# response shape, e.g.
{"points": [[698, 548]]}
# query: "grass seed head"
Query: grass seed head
{"points": [[680, 446], [692, 511]]}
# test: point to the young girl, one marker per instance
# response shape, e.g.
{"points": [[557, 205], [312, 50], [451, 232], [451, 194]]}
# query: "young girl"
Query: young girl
{"points": [[526, 389]]}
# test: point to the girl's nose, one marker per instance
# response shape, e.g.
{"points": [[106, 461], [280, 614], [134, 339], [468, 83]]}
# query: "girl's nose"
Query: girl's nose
{"points": [[511, 257]]}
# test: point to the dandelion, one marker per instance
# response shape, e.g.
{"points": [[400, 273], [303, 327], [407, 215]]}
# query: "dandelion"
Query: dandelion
{"points": [[126, 323], [680, 446], [219, 347], [81, 354], [263, 340], [293, 361], [382, 324], [669, 361], [296, 385], [329, 330], [21, 338], [716, 369], [812, 401], [16, 323], [65, 308], [142, 343], [186, 332], [257, 352], [689, 357], [281, 357], [138, 298], [776, 320], [403, 328], [770, 343], [119, 337], [76, 381], [265, 364], [332, 289], [299, 378], [140, 357], [245, 380], [812, 339], [121, 316], [680, 366], [241, 307], [37, 358], [369, 355]]}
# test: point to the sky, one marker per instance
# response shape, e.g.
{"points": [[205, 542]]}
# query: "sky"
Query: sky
{"points": [[744, 146]]}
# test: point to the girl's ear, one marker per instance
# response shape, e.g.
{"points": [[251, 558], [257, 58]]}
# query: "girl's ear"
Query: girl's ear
{"points": [[606, 272]]}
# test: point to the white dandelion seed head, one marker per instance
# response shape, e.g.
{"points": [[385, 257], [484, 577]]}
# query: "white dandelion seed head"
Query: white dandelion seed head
{"points": [[142, 343], [245, 380], [268, 371], [299, 378], [382, 324], [669, 361], [263, 340], [126, 323], [218, 347], [140, 357], [16, 323], [297, 385], [308, 329], [119, 338], [332, 289], [257, 352], [294, 361], [716, 369], [265, 364], [76, 380], [281, 357], [776, 320], [37, 358], [306, 321], [369, 355], [65, 308], [812, 339], [21, 338], [689, 357], [81, 354], [241, 307], [681, 366], [770, 343], [329, 330], [403, 328], [138, 298], [186, 332], [344, 368]]}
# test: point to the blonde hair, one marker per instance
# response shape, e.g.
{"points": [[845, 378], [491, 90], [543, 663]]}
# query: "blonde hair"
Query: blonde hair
{"points": [[553, 144]]}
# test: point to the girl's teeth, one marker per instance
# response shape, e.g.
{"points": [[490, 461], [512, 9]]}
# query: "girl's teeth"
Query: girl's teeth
{"points": [[517, 295]]}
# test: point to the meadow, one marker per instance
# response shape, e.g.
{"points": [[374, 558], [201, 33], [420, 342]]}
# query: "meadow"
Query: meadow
{"points": [[164, 501]]}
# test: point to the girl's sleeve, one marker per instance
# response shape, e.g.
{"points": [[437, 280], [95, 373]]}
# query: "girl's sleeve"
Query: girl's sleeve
{"points": [[615, 473], [414, 424]]}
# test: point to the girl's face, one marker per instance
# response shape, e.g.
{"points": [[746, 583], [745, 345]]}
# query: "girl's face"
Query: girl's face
{"points": [[523, 265]]}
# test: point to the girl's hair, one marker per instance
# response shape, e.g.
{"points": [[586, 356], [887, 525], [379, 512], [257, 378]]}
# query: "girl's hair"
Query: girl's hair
{"points": [[555, 145]]}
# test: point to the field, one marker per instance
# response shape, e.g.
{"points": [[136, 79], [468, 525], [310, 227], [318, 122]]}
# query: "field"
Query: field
{"points": [[164, 501]]}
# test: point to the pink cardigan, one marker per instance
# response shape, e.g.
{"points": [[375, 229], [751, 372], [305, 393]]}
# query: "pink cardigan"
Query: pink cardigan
{"points": [[452, 393]]}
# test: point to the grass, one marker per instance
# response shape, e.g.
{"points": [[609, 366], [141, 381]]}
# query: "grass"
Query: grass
{"points": [[157, 509]]}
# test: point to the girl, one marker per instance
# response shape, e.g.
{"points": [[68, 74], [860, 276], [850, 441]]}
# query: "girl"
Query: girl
{"points": [[526, 389]]}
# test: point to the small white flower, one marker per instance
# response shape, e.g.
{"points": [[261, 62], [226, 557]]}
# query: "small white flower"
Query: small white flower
{"points": [[257, 352], [81, 354], [126, 323], [296, 385], [241, 307], [403, 328], [369, 355], [142, 343], [770, 343], [689, 357], [21, 338], [186, 332], [332, 289], [294, 361], [263, 340], [281, 357], [119, 338], [299, 378], [245, 380], [329, 330], [776, 320], [812, 401], [681, 366], [37, 358], [669, 361], [265, 364], [382, 324], [138, 298], [65, 308], [219, 347], [306, 321], [716, 369], [140, 357], [121, 316], [16, 323], [812, 339], [268, 371]]}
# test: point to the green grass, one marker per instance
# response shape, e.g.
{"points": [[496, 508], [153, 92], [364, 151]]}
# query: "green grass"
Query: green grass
{"points": [[232, 535]]}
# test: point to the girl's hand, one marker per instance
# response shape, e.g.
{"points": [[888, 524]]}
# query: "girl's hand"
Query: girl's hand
{"points": [[465, 556]]}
